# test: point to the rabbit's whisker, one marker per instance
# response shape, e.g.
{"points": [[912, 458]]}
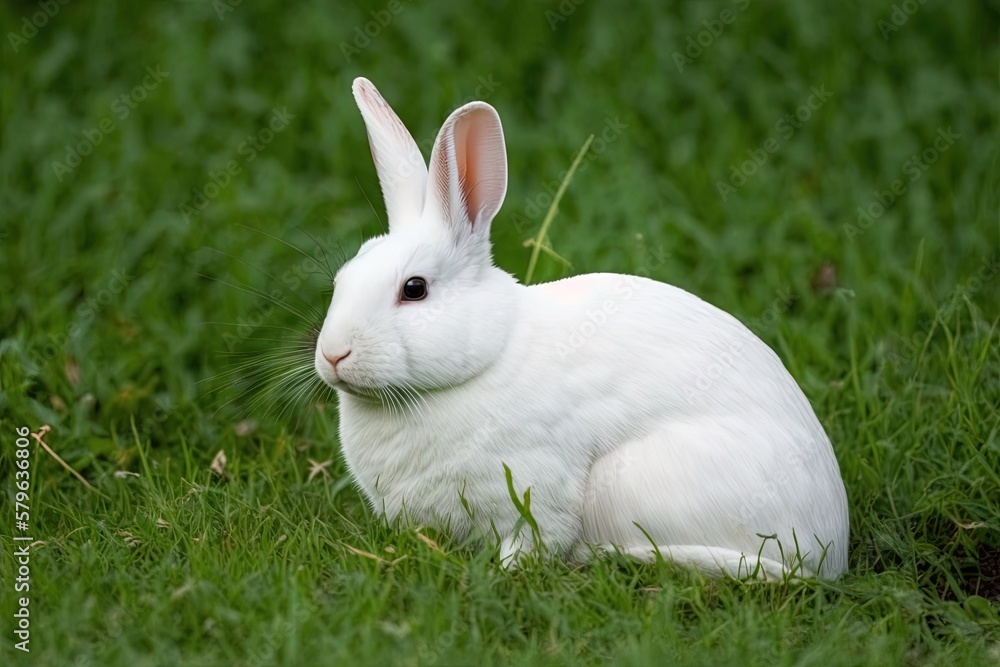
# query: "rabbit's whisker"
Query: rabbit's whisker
{"points": [[297, 249], [312, 309]]}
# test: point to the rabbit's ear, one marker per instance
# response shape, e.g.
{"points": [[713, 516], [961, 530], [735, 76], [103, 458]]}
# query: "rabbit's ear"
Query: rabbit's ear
{"points": [[402, 173], [468, 170]]}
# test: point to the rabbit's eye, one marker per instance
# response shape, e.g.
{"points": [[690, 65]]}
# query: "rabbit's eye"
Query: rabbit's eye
{"points": [[414, 289]]}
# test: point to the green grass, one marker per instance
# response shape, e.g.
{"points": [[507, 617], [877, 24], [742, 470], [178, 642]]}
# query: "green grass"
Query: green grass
{"points": [[890, 333]]}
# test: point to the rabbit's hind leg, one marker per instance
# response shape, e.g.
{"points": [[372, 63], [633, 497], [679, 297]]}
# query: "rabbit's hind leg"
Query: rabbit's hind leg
{"points": [[713, 561], [679, 492]]}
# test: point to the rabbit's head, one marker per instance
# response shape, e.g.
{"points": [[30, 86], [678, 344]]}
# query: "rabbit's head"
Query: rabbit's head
{"points": [[422, 306]]}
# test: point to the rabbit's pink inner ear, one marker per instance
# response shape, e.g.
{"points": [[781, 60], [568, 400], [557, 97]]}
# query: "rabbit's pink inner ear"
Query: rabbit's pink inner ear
{"points": [[469, 168], [482, 164]]}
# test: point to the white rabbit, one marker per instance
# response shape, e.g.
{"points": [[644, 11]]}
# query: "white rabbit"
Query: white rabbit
{"points": [[641, 418]]}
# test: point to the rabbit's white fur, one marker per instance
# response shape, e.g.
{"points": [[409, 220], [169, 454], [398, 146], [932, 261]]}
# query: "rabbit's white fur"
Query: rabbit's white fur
{"points": [[642, 418]]}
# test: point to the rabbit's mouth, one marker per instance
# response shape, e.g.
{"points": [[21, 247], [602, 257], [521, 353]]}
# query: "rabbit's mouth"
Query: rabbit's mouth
{"points": [[372, 394], [397, 400], [358, 392]]}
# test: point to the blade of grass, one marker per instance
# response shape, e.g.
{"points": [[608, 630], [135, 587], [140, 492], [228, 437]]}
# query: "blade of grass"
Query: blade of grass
{"points": [[539, 242]]}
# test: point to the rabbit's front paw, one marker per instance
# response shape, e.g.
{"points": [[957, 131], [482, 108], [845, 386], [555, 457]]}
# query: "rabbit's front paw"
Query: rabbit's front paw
{"points": [[513, 550]]}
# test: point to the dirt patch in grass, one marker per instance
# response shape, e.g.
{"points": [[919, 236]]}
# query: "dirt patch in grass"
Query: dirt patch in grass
{"points": [[982, 576]]}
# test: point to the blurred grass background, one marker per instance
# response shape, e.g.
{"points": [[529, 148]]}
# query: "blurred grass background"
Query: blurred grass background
{"points": [[118, 120]]}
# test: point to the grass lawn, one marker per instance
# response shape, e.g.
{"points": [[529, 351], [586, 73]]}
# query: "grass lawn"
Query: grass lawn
{"points": [[825, 171]]}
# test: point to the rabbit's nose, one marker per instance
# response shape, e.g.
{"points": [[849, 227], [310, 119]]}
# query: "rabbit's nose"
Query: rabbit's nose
{"points": [[335, 359]]}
